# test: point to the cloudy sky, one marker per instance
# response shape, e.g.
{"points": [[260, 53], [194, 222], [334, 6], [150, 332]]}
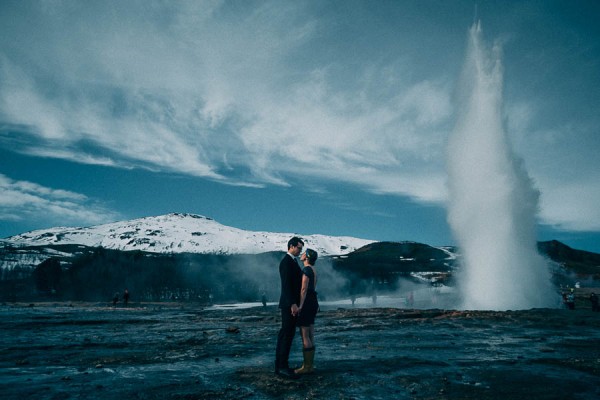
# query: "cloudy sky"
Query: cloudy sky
{"points": [[326, 117]]}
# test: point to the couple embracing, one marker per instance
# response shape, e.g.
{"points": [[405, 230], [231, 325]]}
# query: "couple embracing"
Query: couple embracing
{"points": [[299, 306]]}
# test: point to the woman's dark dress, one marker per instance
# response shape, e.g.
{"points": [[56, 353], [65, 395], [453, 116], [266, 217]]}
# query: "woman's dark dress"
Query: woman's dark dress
{"points": [[311, 305]]}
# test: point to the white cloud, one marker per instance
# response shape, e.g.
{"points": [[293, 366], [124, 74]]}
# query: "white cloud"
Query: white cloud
{"points": [[572, 206], [20, 200], [246, 93], [190, 85], [564, 164]]}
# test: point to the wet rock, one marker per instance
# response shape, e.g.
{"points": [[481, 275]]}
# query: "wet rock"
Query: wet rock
{"points": [[233, 329], [546, 350], [413, 388], [252, 318]]}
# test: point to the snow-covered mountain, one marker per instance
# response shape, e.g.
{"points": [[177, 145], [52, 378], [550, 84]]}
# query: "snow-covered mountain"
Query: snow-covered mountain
{"points": [[181, 233]]}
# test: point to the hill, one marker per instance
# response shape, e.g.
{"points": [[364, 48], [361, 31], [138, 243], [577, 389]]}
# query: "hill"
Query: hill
{"points": [[180, 233], [581, 263], [191, 257]]}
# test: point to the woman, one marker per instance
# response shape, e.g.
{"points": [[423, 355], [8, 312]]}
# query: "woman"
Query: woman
{"points": [[308, 310]]}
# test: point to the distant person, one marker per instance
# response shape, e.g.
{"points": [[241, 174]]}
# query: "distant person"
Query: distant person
{"points": [[126, 297], [115, 299], [353, 298], [571, 300], [291, 281], [307, 310], [594, 301], [263, 299]]}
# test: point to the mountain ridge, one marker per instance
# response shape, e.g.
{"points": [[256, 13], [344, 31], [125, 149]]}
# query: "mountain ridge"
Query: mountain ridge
{"points": [[198, 258], [180, 233]]}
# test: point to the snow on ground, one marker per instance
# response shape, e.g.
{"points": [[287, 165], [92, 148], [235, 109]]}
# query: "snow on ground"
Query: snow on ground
{"points": [[183, 233]]}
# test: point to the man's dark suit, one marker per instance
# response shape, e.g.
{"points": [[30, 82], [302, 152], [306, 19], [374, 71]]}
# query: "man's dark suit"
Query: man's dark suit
{"points": [[291, 283]]}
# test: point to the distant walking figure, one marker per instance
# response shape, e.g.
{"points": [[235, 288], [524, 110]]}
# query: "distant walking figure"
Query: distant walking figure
{"points": [[571, 300], [126, 297], [594, 301], [115, 299], [291, 280], [263, 299], [309, 305]]}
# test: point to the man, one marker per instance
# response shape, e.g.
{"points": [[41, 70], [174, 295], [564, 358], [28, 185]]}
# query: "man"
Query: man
{"points": [[291, 282]]}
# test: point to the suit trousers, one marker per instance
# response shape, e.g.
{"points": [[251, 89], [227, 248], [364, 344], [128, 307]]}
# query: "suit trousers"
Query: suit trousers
{"points": [[285, 338]]}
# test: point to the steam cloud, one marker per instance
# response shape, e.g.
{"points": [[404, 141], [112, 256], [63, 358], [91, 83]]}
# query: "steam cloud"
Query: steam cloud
{"points": [[492, 201], [246, 277]]}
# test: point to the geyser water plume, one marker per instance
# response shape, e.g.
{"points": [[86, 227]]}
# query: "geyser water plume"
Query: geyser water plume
{"points": [[492, 201]]}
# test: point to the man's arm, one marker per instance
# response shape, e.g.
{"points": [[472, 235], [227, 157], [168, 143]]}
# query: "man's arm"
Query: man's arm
{"points": [[287, 284]]}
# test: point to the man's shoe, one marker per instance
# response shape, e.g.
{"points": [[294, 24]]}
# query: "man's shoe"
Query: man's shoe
{"points": [[287, 372]]}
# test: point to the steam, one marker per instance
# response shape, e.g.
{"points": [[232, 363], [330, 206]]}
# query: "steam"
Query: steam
{"points": [[247, 277], [492, 200]]}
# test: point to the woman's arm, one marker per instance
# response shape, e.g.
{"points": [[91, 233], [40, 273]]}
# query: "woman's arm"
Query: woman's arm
{"points": [[304, 289]]}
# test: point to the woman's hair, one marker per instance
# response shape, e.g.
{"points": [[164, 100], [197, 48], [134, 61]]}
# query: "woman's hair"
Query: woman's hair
{"points": [[311, 256]]}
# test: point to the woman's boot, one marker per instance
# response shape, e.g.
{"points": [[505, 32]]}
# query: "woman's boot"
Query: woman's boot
{"points": [[307, 365]]}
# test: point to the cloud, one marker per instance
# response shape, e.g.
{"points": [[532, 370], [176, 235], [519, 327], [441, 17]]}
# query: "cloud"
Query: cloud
{"points": [[563, 162], [204, 89], [248, 93], [572, 207], [21, 200]]}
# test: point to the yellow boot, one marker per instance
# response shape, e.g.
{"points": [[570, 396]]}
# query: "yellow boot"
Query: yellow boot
{"points": [[307, 365]]}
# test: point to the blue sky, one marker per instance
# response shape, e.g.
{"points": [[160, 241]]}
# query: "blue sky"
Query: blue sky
{"points": [[326, 117]]}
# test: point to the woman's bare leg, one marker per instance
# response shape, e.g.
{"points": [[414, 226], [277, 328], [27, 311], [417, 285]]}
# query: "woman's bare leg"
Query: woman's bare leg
{"points": [[307, 338]]}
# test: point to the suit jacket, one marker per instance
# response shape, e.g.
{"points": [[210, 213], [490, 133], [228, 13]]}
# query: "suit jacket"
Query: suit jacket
{"points": [[291, 282]]}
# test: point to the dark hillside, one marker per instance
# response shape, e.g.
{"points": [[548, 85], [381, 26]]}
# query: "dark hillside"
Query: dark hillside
{"points": [[395, 258], [75, 272], [576, 261], [383, 266]]}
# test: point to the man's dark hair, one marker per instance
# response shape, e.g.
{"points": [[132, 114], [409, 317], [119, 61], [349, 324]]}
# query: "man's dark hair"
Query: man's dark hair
{"points": [[294, 242]]}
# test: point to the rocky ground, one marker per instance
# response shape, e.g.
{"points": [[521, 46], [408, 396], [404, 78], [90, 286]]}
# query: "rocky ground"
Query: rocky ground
{"points": [[177, 351]]}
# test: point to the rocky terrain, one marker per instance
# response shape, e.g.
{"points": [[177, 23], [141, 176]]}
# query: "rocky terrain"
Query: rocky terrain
{"points": [[177, 351]]}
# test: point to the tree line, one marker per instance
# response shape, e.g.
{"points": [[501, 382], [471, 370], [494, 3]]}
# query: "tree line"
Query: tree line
{"points": [[98, 274]]}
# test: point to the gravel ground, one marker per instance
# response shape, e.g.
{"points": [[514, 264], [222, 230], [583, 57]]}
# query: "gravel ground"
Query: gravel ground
{"points": [[178, 351]]}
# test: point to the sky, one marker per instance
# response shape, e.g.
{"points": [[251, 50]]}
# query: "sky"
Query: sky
{"points": [[308, 117]]}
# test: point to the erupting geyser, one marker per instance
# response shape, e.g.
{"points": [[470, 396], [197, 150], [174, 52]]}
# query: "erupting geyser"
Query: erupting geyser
{"points": [[492, 201]]}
